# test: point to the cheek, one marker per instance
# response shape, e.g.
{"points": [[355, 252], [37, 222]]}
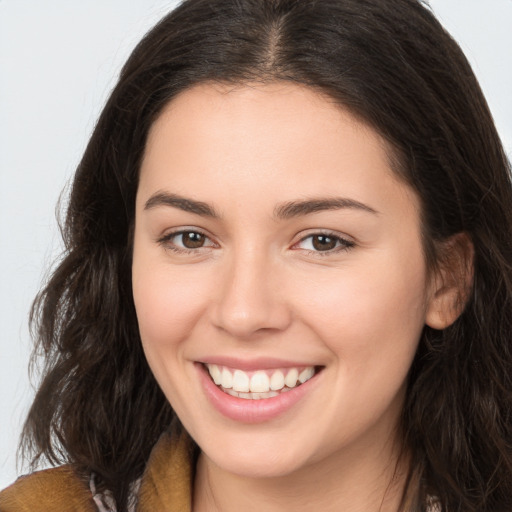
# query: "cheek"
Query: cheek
{"points": [[167, 305], [370, 321], [370, 316]]}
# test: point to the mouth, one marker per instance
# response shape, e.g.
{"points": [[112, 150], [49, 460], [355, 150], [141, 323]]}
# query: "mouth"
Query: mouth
{"points": [[260, 384]]}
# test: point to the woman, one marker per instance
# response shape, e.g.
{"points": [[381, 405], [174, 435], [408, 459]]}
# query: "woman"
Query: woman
{"points": [[287, 281]]}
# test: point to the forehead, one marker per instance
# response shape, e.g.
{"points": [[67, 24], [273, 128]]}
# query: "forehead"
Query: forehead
{"points": [[258, 110], [275, 137]]}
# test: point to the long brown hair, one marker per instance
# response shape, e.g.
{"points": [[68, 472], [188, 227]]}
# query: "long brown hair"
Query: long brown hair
{"points": [[392, 64]]}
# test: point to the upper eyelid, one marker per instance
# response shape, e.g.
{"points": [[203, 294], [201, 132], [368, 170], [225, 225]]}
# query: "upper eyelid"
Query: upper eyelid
{"points": [[326, 232], [178, 231], [340, 239]]}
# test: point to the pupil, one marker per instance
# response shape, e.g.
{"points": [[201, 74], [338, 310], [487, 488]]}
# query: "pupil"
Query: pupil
{"points": [[193, 240], [324, 243]]}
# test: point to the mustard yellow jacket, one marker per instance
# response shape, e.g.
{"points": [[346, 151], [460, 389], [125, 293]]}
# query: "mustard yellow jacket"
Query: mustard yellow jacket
{"points": [[166, 484]]}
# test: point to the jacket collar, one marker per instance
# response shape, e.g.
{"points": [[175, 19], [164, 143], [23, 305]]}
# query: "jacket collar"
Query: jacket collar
{"points": [[167, 481]]}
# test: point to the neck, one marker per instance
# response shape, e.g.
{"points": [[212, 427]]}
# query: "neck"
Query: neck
{"points": [[353, 481]]}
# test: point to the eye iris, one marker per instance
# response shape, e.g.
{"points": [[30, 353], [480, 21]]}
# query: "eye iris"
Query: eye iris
{"points": [[323, 242], [193, 240]]}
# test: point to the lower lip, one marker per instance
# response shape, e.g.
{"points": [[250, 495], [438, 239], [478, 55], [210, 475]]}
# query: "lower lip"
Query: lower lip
{"points": [[252, 411]]}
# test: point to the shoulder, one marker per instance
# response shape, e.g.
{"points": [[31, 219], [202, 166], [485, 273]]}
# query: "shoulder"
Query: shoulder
{"points": [[52, 489]]}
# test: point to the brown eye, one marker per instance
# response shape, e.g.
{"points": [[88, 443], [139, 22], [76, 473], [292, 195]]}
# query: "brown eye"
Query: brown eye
{"points": [[186, 242], [192, 239], [323, 242]]}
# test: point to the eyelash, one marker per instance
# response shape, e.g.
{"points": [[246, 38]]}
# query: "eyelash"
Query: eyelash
{"points": [[166, 241], [342, 244]]}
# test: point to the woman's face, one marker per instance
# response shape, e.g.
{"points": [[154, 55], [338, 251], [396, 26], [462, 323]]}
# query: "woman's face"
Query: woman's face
{"points": [[274, 245]]}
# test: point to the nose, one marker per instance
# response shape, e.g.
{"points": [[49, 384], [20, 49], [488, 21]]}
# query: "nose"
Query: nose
{"points": [[251, 298]]}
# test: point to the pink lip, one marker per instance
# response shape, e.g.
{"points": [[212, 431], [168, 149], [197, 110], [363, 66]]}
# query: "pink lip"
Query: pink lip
{"points": [[252, 411], [254, 364]]}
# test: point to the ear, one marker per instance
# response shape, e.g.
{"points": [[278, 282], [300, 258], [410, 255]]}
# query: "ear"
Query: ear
{"points": [[451, 283]]}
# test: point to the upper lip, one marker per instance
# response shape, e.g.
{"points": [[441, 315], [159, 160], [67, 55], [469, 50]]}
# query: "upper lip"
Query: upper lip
{"points": [[260, 363]]}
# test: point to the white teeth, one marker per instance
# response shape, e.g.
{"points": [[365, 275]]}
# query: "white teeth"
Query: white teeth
{"points": [[240, 381], [306, 374], [277, 381], [215, 373], [260, 383], [252, 396], [291, 378], [226, 379]]}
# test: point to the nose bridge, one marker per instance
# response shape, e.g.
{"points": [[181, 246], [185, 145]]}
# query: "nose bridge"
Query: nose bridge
{"points": [[250, 297]]}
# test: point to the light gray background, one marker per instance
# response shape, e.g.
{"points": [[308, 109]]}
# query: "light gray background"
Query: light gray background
{"points": [[58, 62]]}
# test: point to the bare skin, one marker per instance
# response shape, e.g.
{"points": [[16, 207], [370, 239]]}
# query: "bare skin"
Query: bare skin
{"points": [[270, 225]]}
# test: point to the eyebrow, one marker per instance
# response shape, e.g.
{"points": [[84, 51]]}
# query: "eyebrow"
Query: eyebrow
{"points": [[309, 206], [182, 203], [283, 211]]}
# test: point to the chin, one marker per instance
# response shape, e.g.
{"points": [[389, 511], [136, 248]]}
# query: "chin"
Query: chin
{"points": [[257, 466], [254, 456]]}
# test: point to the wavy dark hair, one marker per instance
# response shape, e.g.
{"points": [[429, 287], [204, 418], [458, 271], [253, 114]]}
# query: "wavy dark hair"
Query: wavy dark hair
{"points": [[391, 64]]}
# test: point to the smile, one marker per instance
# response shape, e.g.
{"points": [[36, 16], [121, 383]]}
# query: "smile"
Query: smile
{"points": [[260, 384], [233, 392]]}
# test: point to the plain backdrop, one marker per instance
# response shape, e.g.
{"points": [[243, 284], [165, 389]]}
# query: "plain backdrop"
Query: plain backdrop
{"points": [[58, 61]]}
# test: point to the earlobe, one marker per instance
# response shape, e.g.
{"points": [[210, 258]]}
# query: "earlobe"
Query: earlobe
{"points": [[444, 308], [452, 282]]}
